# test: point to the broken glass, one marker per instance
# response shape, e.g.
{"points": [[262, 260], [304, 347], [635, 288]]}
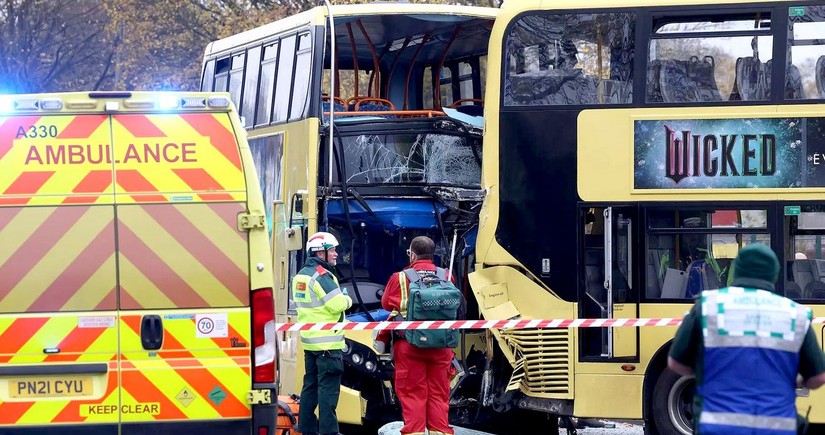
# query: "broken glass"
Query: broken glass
{"points": [[425, 158]]}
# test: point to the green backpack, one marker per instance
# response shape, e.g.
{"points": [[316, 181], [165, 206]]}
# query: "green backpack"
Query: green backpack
{"points": [[431, 297]]}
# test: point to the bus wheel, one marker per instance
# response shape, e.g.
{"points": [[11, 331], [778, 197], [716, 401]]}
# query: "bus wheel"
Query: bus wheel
{"points": [[673, 403]]}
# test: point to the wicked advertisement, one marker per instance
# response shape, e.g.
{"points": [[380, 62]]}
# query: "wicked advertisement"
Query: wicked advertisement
{"points": [[729, 153]]}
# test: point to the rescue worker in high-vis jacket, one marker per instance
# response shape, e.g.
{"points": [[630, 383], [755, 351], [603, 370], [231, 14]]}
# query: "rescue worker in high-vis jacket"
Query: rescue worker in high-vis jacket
{"points": [[318, 298], [749, 348], [422, 376]]}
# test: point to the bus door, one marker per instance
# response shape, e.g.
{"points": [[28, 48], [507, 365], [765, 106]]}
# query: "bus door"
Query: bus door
{"points": [[619, 235]]}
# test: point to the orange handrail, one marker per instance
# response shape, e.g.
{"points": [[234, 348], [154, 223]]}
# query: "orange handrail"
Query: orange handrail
{"points": [[377, 68], [354, 56], [396, 113], [410, 69], [457, 103], [387, 103], [437, 99], [392, 68], [336, 99]]}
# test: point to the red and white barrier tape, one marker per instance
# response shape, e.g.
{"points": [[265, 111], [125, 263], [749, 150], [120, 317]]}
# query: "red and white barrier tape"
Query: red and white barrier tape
{"points": [[485, 324]]}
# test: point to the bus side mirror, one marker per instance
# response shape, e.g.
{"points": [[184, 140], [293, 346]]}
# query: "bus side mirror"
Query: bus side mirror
{"points": [[294, 238]]}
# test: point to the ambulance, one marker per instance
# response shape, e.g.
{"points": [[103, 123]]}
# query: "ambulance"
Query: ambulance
{"points": [[135, 268]]}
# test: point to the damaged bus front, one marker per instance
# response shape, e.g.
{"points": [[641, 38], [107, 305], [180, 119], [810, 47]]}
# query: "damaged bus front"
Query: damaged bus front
{"points": [[364, 121]]}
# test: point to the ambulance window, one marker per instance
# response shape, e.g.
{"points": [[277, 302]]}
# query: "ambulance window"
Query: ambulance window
{"points": [[250, 93], [267, 84], [221, 75], [236, 78], [208, 76], [303, 71], [286, 63]]}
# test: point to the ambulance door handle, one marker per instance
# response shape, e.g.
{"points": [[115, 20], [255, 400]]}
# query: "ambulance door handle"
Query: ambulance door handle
{"points": [[151, 332]]}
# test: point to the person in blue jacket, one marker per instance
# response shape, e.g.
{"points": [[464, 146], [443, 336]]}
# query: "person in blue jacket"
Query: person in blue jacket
{"points": [[749, 349]]}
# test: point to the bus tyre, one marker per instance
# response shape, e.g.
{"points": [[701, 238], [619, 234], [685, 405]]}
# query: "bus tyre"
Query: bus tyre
{"points": [[672, 403]]}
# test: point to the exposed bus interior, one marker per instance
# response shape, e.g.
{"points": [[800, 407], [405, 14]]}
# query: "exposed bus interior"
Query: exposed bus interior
{"points": [[408, 65], [407, 109], [407, 106], [399, 181]]}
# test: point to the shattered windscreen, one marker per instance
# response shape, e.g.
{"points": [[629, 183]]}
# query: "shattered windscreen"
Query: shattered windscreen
{"points": [[422, 158]]}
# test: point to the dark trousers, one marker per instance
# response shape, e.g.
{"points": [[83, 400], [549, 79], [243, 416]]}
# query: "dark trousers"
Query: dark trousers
{"points": [[322, 383]]}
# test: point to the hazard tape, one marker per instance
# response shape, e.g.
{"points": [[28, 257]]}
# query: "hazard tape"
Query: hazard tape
{"points": [[485, 324]]}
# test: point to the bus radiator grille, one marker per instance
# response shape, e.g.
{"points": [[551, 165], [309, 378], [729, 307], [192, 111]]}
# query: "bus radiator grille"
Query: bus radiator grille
{"points": [[542, 361]]}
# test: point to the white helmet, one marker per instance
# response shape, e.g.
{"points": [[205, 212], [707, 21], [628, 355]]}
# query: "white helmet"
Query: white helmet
{"points": [[321, 241]]}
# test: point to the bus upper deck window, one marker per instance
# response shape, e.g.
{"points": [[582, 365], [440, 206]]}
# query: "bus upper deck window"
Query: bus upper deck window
{"points": [[570, 59], [805, 65], [712, 59]]}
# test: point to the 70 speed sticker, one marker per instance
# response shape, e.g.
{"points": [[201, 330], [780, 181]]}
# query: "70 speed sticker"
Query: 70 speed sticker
{"points": [[211, 325]]}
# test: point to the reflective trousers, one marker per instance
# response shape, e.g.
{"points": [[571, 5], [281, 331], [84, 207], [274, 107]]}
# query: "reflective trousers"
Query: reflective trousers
{"points": [[322, 385], [422, 383]]}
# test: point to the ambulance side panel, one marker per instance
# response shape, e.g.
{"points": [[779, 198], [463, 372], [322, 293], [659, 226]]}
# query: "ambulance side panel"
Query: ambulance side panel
{"points": [[184, 274], [58, 276]]}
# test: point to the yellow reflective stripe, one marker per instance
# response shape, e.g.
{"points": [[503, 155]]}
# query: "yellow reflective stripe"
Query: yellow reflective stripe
{"points": [[402, 280]]}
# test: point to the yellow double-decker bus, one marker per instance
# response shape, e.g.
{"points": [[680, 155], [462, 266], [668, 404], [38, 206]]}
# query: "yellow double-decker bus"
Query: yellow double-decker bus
{"points": [[632, 148], [364, 121]]}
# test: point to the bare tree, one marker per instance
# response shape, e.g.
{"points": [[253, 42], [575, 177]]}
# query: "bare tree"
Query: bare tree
{"points": [[302, 5], [163, 40], [81, 45], [52, 46]]}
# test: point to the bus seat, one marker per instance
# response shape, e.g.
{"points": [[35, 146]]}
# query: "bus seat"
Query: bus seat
{"points": [[689, 81], [793, 81], [792, 290], [814, 290], [654, 88], [804, 272], [820, 76], [337, 107], [674, 81], [701, 72], [750, 83], [370, 104], [615, 92], [793, 85]]}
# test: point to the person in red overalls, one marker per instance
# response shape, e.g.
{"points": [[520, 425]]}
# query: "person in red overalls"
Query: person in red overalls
{"points": [[425, 403]]}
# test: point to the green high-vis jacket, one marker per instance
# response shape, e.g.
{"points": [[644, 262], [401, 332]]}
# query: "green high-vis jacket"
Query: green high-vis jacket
{"points": [[319, 298]]}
